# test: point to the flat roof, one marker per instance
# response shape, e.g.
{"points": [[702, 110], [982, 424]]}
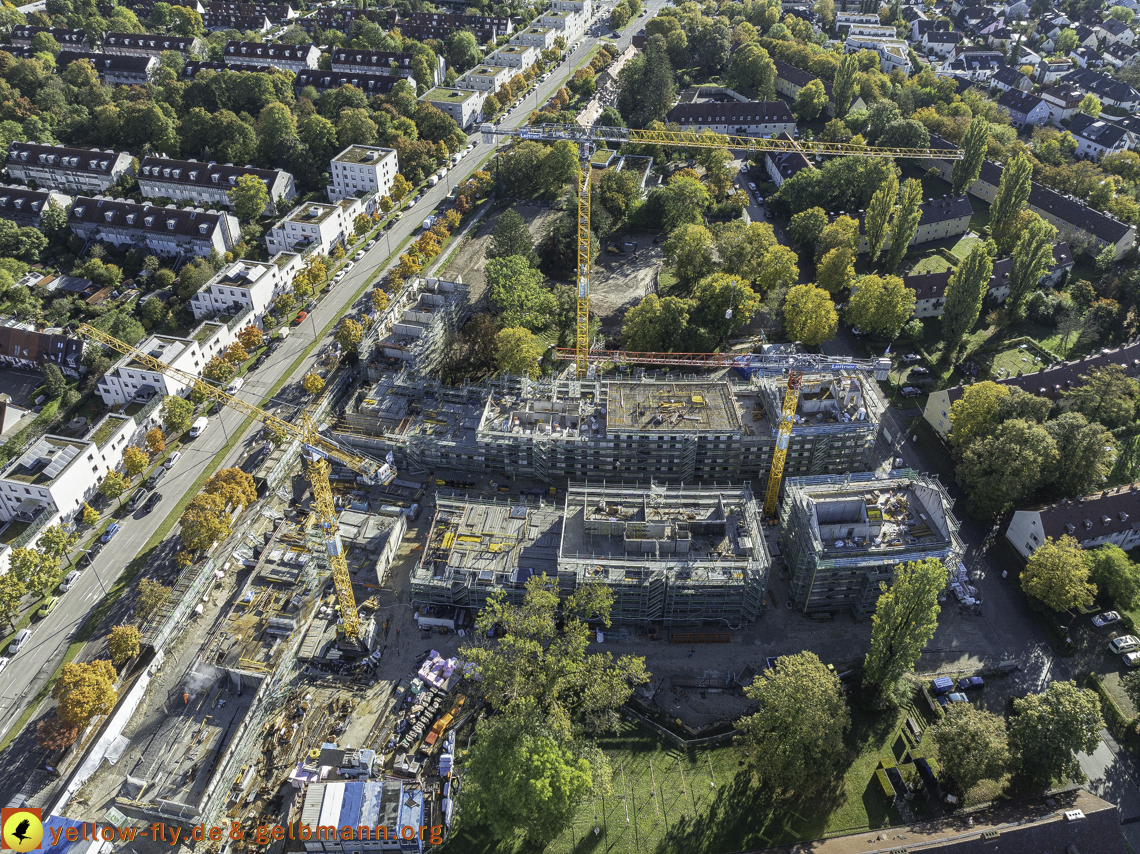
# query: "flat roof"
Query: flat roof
{"points": [[672, 407], [362, 154], [441, 94]]}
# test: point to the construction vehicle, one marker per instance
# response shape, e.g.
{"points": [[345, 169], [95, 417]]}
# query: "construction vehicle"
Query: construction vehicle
{"points": [[587, 139], [319, 451]]}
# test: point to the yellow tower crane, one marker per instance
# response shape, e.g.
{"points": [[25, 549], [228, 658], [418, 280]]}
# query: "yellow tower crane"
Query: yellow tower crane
{"points": [[318, 450]]}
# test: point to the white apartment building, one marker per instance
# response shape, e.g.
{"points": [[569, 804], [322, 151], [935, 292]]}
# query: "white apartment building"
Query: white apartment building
{"points": [[893, 52], [74, 170], [317, 224], [158, 230], [514, 56], [463, 105], [1104, 518], [57, 474], [362, 168], [287, 56], [143, 44], [541, 38], [486, 78], [570, 23], [251, 285], [210, 183]]}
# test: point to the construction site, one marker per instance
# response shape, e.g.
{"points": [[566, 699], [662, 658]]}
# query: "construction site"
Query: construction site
{"points": [[843, 536], [647, 427], [673, 556]]}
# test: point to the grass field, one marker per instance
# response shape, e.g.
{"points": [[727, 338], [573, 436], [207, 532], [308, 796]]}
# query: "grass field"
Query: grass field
{"points": [[669, 801], [1017, 360], [933, 263]]}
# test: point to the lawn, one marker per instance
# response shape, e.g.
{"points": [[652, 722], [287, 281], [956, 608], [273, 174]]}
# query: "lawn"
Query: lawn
{"points": [[933, 187], [962, 248], [671, 801], [1017, 361], [933, 263], [981, 217], [1127, 468]]}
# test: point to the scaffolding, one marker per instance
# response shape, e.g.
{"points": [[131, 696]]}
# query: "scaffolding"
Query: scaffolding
{"points": [[419, 337], [843, 536]]}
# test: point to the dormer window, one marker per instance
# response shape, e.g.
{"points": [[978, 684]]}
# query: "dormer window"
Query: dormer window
{"points": [[148, 220], [170, 223], [108, 215], [78, 212], [215, 178], [131, 219], [204, 227], [1123, 516], [194, 175], [1088, 524]]}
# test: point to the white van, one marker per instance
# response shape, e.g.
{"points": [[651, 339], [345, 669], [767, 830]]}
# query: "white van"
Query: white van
{"points": [[18, 642], [235, 386], [199, 425]]}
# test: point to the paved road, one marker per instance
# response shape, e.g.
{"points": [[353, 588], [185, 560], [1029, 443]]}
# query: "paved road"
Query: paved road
{"points": [[33, 665]]}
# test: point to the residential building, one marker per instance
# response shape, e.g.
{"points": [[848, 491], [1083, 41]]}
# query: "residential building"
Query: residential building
{"points": [[939, 219], [920, 26], [275, 12], [513, 56], [129, 379], [72, 170], [541, 38], [1024, 109], [317, 224], [242, 23], [323, 81], [1048, 381], [73, 39], [113, 69], [893, 52], [424, 320], [790, 80], [51, 480], [1063, 101], [463, 105], [978, 65], [570, 24], [287, 56], [1120, 55], [878, 31], [1008, 77], [143, 44], [782, 166], [381, 62], [21, 346], [26, 207], [1111, 92], [843, 536], [153, 230], [439, 25], [246, 286], [1113, 31], [1097, 137], [755, 118], [940, 42], [340, 18], [209, 184], [367, 169], [1051, 69], [486, 78], [1100, 519]]}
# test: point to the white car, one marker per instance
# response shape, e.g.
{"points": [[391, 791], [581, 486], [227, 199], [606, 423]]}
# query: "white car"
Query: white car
{"points": [[339, 276], [69, 581], [358, 255], [912, 357], [371, 243], [1106, 619], [1131, 659], [1124, 643], [751, 186], [172, 460], [346, 267]]}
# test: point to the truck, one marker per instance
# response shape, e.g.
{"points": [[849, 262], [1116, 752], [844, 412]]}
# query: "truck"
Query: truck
{"points": [[433, 180], [429, 222], [442, 173], [198, 426]]}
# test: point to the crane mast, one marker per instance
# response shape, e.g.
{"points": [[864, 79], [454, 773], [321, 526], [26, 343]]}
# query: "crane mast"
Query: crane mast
{"points": [[783, 437], [319, 452]]}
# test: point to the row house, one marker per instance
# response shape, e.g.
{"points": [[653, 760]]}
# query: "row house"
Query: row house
{"points": [[1098, 137], [783, 165], [72, 170], [241, 23], [75, 39], [464, 106], [340, 18], [286, 56], [326, 225], [1104, 518], [144, 9], [755, 118], [323, 81], [26, 207], [1112, 93], [209, 184], [366, 169], [246, 287], [939, 219], [790, 80], [114, 70], [1024, 109], [382, 62], [142, 44], [276, 12], [439, 25], [157, 230], [22, 346]]}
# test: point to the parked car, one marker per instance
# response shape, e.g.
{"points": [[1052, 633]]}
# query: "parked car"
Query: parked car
{"points": [[110, 532], [919, 371], [172, 460], [912, 357], [152, 502], [69, 580], [371, 243], [138, 498], [751, 186], [1106, 619], [358, 255], [47, 607], [953, 698], [910, 391], [1124, 643], [19, 641], [1131, 659], [155, 478], [968, 682], [300, 318]]}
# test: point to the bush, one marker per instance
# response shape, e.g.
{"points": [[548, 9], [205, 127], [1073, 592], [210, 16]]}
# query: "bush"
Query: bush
{"points": [[885, 784]]}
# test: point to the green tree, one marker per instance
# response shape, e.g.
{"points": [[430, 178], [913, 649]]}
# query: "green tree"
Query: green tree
{"points": [[618, 192], [809, 315], [965, 293], [234, 486], [906, 616], [249, 197], [559, 166], [54, 383], [1086, 453], [1050, 728], [1032, 257], [349, 334], [176, 414], [843, 89], [1107, 395], [724, 304], [515, 290], [462, 50], [811, 100], [1005, 467], [123, 643], [12, 592], [1010, 201], [149, 598], [752, 72], [518, 351], [84, 691], [806, 228], [973, 744], [647, 87], [657, 325], [1090, 105], [113, 486], [682, 200], [58, 542], [204, 522], [843, 231], [312, 383], [878, 217], [1066, 41], [1115, 575], [972, 413], [881, 304], [90, 515], [511, 237], [836, 270], [356, 127], [1057, 574], [135, 461], [799, 725], [689, 251], [318, 134], [38, 571], [904, 223]]}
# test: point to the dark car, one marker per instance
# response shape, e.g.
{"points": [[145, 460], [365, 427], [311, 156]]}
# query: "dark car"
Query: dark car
{"points": [[920, 372], [156, 477], [137, 498], [152, 502]]}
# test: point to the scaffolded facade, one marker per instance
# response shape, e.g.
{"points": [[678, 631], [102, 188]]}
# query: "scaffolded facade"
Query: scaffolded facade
{"points": [[682, 431], [844, 536], [673, 556]]}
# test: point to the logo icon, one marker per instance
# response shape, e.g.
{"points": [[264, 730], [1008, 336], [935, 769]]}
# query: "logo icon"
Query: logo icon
{"points": [[21, 829]]}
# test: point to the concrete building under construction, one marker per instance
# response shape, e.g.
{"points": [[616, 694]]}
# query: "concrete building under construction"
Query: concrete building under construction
{"points": [[642, 428], [842, 536], [673, 556]]}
